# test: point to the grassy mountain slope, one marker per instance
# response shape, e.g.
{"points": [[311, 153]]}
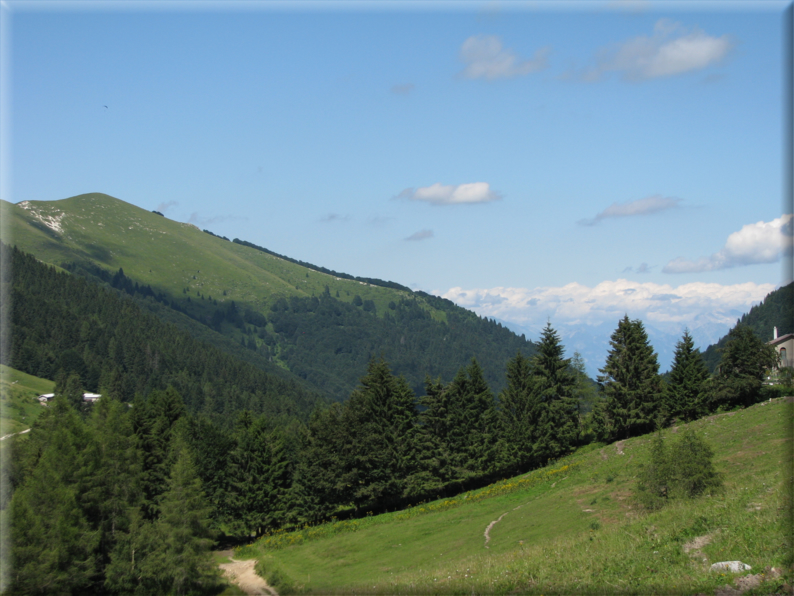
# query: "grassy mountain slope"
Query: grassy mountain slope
{"points": [[170, 256], [64, 324], [573, 527], [318, 325], [776, 310], [19, 405]]}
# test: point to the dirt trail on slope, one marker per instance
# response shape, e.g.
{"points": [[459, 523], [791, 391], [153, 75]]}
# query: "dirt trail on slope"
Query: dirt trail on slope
{"points": [[242, 573], [487, 532]]}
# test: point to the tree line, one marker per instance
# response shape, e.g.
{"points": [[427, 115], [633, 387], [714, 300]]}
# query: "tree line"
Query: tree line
{"points": [[63, 325], [127, 496]]}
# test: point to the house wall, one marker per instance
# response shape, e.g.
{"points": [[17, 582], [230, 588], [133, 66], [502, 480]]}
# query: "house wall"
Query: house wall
{"points": [[788, 345]]}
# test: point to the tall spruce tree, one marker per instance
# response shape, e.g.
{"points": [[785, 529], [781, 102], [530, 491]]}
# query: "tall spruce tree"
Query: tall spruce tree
{"points": [[322, 477], [114, 487], [251, 490], [473, 423], [745, 360], [431, 443], [381, 415], [630, 382], [179, 558], [519, 410], [53, 541], [557, 419], [685, 391]]}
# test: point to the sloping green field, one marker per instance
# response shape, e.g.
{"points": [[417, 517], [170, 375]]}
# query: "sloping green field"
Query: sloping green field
{"points": [[19, 405], [169, 255], [573, 527]]}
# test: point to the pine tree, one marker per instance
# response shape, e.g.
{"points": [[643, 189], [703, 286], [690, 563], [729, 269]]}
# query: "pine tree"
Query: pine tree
{"points": [[432, 455], [381, 416], [473, 424], [558, 414], [113, 489], [53, 543], [322, 479], [586, 391], [630, 382], [72, 390], [261, 478], [745, 360], [518, 416], [182, 557], [686, 397]]}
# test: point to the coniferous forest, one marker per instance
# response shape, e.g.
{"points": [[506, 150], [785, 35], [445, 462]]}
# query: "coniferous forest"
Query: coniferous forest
{"points": [[189, 446]]}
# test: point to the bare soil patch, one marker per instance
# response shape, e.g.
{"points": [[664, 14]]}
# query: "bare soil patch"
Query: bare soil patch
{"points": [[242, 573]]}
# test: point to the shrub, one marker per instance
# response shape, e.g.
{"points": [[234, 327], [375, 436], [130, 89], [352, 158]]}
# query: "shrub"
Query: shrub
{"points": [[276, 578], [683, 470]]}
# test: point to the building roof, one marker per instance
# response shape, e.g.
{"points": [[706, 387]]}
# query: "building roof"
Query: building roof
{"points": [[781, 339]]}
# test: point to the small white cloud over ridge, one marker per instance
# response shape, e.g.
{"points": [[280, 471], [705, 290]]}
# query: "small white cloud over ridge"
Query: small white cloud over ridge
{"points": [[761, 242], [485, 58], [440, 194], [646, 206], [671, 50]]}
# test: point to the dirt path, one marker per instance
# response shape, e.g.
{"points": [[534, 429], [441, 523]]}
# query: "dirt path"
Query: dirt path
{"points": [[242, 573], [22, 432], [487, 532]]}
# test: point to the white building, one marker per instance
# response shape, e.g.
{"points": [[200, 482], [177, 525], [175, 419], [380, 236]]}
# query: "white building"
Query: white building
{"points": [[784, 346]]}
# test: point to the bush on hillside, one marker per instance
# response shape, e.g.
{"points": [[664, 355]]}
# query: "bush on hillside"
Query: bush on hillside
{"points": [[684, 469], [775, 391]]}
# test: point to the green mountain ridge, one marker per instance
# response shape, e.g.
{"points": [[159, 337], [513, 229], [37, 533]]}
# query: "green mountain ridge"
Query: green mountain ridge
{"points": [[318, 324], [776, 310]]}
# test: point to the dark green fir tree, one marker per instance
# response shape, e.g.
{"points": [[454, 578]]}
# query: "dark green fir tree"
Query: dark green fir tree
{"points": [[631, 384], [685, 391], [519, 410], [554, 384]]}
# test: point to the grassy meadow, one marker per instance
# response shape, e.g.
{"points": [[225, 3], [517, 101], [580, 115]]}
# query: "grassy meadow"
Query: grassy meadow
{"points": [[572, 527], [173, 256], [19, 405]]}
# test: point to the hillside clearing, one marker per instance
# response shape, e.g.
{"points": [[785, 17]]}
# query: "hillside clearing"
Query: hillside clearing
{"points": [[573, 531]]}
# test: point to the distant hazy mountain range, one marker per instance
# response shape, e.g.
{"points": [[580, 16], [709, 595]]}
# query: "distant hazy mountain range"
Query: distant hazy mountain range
{"points": [[709, 331]]}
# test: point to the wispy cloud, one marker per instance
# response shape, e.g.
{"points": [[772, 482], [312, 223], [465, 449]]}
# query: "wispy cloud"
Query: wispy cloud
{"points": [[642, 268], [485, 58], [671, 50], [163, 207], [196, 219], [380, 220], [645, 206], [334, 217], [403, 89], [439, 194], [420, 235], [761, 242]]}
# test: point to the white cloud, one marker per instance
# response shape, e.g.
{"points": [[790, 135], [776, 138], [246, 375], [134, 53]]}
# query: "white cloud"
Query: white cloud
{"points": [[761, 242], [420, 235], [607, 302], [671, 50], [485, 58], [646, 206], [439, 194]]}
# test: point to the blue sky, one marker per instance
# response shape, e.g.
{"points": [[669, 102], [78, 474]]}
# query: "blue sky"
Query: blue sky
{"points": [[568, 162]]}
